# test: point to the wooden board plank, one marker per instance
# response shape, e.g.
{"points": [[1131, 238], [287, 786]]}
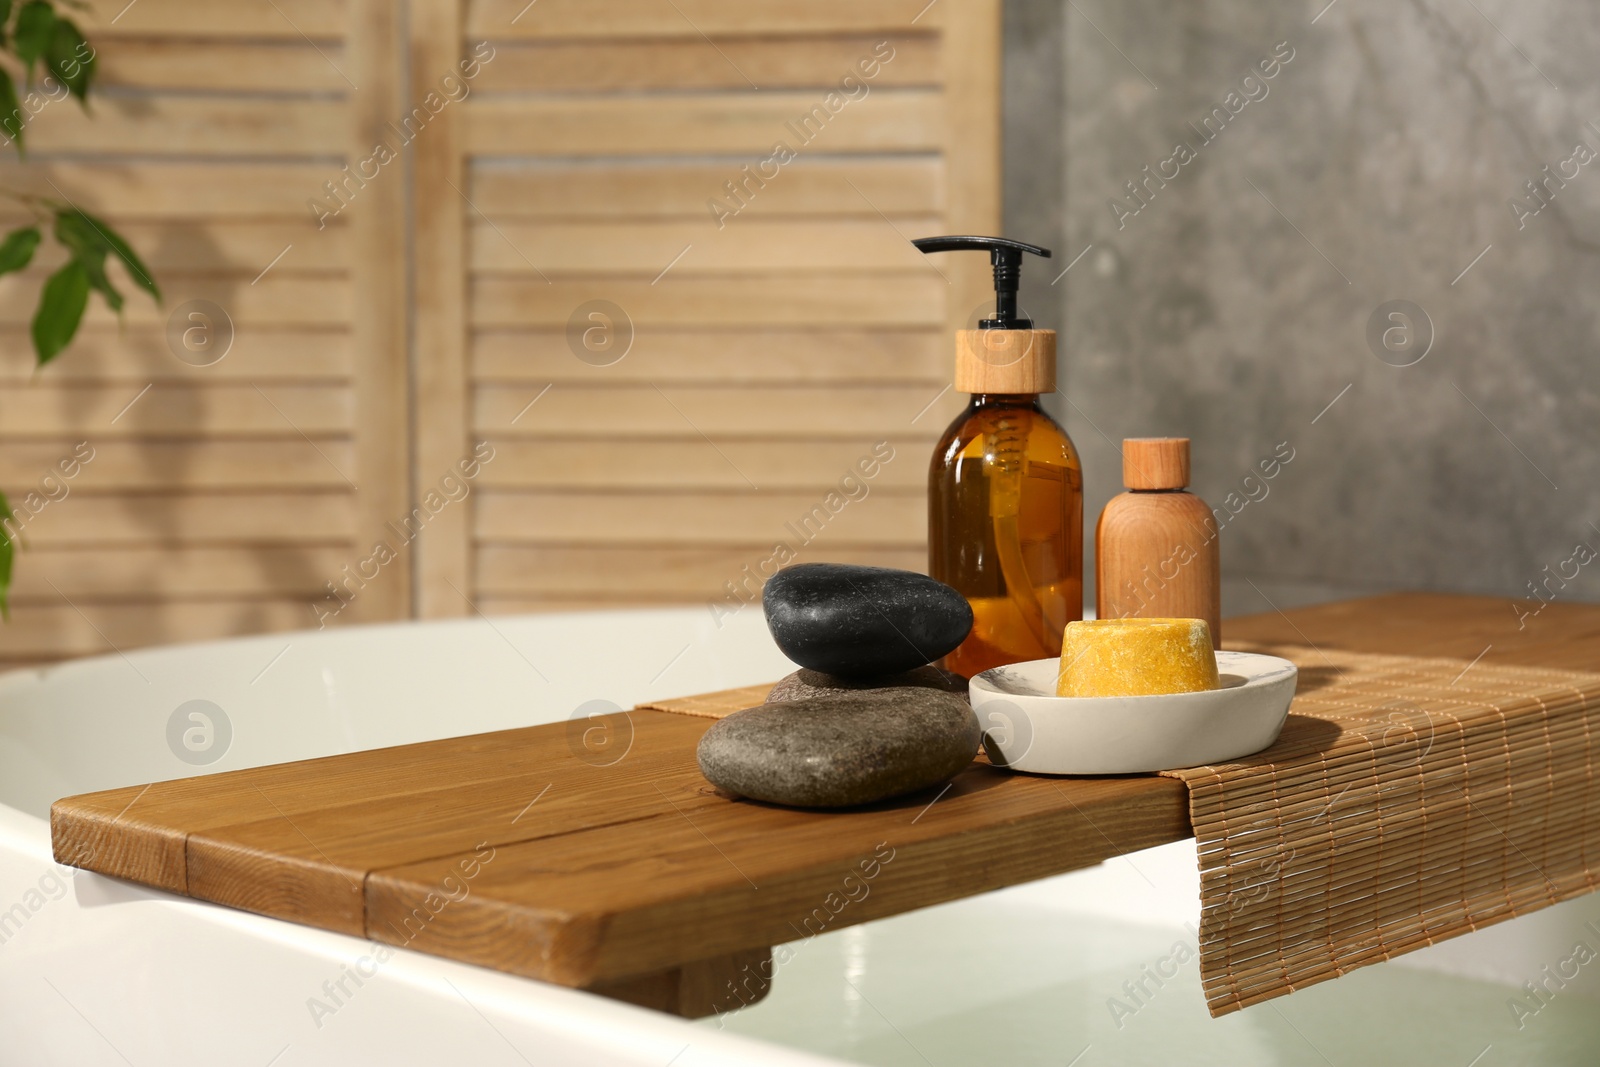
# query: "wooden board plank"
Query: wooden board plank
{"points": [[379, 322], [629, 866], [231, 66], [872, 517], [882, 299], [225, 862], [719, 877], [175, 410], [131, 465], [973, 123], [137, 574], [645, 248], [275, 301], [792, 61], [538, 357], [802, 412], [1561, 635], [244, 249], [170, 124], [886, 120], [443, 559], [564, 19], [691, 573], [661, 463], [897, 187], [145, 189], [290, 790], [107, 356], [106, 520], [289, 20]]}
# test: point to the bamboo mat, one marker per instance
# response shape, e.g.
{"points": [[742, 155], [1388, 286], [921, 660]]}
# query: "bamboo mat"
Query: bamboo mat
{"points": [[1407, 801]]}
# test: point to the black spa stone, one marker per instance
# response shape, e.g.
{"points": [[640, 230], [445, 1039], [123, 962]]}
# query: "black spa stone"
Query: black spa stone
{"points": [[858, 622]]}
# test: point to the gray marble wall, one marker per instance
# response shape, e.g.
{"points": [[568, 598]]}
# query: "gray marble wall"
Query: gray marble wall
{"points": [[1246, 299]]}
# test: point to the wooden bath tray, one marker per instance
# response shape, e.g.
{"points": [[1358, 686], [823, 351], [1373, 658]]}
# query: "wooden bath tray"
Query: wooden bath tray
{"points": [[625, 873]]}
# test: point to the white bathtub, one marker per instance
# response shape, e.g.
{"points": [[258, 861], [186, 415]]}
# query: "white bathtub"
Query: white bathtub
{"points": [[1088, 968]]}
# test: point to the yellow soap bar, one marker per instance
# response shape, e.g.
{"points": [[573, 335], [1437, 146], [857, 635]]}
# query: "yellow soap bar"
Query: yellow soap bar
{"points": [[1136, 657]]}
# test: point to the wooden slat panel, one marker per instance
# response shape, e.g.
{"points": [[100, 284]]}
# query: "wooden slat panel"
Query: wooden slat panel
{"points": [[175, 410], [864, 187], [558, 19], [872, 517], [289, 462], [887, 120], [101, 520], [789, 62], [805, 412], [244, 249], [140, 355], [563, 463], [276, 300], [688, 572], [443, 563], [232, 66], [647, 247], [138, 574], [721, 357], [289, 20], [378, 309], [181, 191], [972, 157], [173, 125], [836, 300], [40, 631]]}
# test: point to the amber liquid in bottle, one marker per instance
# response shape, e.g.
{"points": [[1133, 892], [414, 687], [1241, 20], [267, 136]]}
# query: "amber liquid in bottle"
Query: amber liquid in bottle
{"points": [[1005, 523]]}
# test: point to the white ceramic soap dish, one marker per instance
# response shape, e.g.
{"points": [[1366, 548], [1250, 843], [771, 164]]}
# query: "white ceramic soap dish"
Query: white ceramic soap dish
{"points": [[1026, 727]]}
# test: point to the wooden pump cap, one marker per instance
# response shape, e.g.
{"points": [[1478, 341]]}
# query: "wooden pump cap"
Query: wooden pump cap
{"points": [[1155, 462], [1006, 361]]}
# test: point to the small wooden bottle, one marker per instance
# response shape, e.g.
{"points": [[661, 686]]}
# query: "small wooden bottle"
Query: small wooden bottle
{"points": [[1156, 551]]}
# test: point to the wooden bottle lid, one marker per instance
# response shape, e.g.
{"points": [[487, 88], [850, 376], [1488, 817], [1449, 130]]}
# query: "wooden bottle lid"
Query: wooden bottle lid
{"points": [[1005, 361], [1155, 462]]}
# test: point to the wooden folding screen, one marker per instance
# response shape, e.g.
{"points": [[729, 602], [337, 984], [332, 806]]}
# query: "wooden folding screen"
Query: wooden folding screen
{"points": [[627, 152], [408, 212], [219, 498]]}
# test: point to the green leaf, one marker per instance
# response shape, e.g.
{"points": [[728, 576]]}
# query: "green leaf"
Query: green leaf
{"points": [[11, 121], [35, 23], [69, 57], [88, 246], [16, 251], [8, 552], [61, 305], [114, 243], [5, 16]]}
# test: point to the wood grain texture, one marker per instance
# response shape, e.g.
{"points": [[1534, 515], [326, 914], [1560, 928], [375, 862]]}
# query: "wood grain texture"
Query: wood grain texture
{"points": [[792, 61], [1157, 557], [570, 19], [888, 120], [444, 552], [379, 322], [679, 188], [593, 854]]}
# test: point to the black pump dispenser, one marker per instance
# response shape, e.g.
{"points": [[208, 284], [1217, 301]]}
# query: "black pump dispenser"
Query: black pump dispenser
{"points": [[1006, 256]]}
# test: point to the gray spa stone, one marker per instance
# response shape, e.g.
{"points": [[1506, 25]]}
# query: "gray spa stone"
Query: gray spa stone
{"points": [[835, 751], [805, 683], [859, 622]]}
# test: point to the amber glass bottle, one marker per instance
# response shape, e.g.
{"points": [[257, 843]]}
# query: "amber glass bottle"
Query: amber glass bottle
{"points": [[1005, 527], [1005, 489]]}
